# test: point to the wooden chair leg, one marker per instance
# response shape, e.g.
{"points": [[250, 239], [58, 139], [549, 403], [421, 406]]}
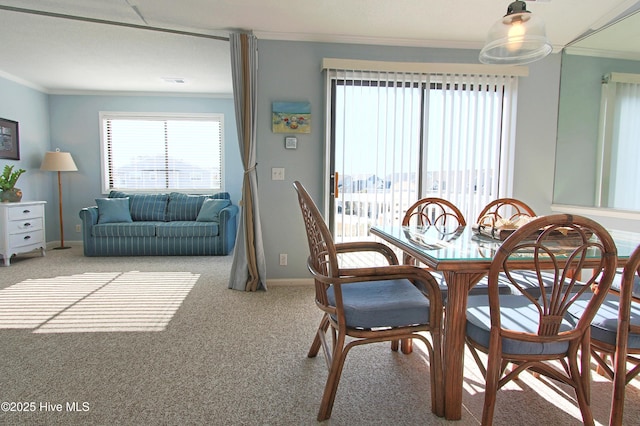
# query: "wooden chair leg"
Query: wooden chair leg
{"points": [[620, 377], [494, 366], [317, 342], [599, 368], [331, 387], [583, 392], [407, 346]]}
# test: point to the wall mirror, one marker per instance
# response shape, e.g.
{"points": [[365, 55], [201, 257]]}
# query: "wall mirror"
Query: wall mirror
{"points": [[580, 178]]}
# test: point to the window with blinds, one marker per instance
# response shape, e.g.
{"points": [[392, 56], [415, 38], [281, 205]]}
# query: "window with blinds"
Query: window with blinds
{"points": [[398, 135], [162, 152]]}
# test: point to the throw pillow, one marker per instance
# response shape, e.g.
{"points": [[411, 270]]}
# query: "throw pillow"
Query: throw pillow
{"points": [[113, 210], [210, 210]]}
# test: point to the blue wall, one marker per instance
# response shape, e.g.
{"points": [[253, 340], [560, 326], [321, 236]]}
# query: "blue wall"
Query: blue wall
{"points": [[29, 108]]}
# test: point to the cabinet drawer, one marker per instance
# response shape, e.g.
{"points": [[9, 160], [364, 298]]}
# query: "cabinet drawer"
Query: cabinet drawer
{"points": [[25, 225], [26, 238], [25, 212]]}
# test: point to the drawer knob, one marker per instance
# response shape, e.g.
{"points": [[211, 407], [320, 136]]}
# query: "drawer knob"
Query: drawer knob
{"points": [[27, 224], [28, 237], [26, 211]]}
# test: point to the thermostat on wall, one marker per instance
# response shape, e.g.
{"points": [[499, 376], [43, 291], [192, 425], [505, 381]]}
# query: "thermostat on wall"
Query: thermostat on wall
{"points": [[290, 142]]}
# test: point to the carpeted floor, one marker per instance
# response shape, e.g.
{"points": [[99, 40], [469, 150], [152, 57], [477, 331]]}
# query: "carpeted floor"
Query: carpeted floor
{"points": [[226, 357]]}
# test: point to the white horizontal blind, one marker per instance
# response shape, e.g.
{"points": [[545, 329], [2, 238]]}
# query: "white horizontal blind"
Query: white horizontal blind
{"points": [[162, 152], [400, 136]]}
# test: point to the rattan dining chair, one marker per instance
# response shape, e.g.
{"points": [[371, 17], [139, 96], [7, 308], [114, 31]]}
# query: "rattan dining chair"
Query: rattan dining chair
{"points": [[615, 333], [504, 208], [534, 333], [433, 211], [368, 304], [447, 218], [436, 212]]}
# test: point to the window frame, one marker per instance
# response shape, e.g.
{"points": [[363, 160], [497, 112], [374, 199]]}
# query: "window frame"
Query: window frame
{"points": [[158, 116]]}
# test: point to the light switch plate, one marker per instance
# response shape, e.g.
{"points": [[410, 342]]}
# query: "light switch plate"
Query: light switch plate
{"points": [[290, 142]]}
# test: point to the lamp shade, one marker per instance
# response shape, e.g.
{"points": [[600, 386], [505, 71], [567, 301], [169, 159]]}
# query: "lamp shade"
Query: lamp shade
{"points": [[56, 161], [517, 38]]}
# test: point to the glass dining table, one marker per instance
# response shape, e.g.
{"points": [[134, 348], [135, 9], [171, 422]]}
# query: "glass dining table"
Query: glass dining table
{"points": [[463, 257]]}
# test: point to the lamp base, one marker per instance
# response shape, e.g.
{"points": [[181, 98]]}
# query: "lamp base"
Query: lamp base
{"points": [[62, 248]]}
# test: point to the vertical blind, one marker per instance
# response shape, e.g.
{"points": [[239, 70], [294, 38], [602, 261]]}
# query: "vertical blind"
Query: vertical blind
{"points": [[162, 152], [620, 150], [400, 136]]}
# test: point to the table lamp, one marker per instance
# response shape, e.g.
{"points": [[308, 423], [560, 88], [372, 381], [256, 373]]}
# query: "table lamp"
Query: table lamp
{"points": [[56, 161]]}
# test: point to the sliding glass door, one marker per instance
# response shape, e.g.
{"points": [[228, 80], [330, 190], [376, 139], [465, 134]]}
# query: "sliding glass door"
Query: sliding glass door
{"points": [[376, 153], [398, 137]]}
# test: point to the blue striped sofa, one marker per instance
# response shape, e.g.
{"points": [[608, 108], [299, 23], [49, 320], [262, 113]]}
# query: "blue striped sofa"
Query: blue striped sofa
{"points": [[160, 225]]}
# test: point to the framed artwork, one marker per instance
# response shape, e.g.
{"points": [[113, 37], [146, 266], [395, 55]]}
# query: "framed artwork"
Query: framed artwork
{"points": [[291, 117], [9, 139]]}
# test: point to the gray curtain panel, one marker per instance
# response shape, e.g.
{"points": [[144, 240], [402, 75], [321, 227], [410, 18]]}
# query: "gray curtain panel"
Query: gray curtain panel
{"points": [[249, 270]]}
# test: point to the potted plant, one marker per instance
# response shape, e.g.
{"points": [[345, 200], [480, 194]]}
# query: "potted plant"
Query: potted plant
{"points": [[8, 179]]}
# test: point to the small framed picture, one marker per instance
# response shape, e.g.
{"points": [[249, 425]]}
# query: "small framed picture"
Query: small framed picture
{"points": [[291, 117], [290, 142], [9, 139]]}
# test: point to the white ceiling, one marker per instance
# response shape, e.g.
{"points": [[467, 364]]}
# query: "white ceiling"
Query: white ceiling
{"points": [[61, 55]]}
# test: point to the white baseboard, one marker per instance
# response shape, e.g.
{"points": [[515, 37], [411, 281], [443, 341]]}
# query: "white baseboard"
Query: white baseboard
{"points": [[284, 282]]}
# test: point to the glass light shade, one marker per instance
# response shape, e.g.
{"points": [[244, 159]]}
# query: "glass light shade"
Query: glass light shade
{"points": [[517, 38]]}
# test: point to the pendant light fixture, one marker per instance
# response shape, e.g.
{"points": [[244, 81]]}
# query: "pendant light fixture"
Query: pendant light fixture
{"points": [[517, 38]]}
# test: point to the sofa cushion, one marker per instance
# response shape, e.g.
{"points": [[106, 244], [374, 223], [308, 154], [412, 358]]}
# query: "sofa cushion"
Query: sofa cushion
{"points": [[145, 207], [113, 210], [184, 206], [187, 229], [210, 210], [133, 229]]}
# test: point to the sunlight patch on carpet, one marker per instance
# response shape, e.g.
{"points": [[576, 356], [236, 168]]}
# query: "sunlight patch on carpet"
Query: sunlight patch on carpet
{"points": [[96, 302]]}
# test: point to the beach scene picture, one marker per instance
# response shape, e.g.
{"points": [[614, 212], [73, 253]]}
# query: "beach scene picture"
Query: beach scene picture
{"points": [[291, 117]]}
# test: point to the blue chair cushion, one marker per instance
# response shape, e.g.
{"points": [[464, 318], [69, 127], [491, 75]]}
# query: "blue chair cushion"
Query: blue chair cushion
{"points": [[389, 303], [516, 313], [528, 280], [483, 286], [604, 326], [617, 280]]}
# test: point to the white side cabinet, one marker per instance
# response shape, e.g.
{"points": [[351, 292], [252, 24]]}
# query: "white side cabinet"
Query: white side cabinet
{"points": [[21, 228]]}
